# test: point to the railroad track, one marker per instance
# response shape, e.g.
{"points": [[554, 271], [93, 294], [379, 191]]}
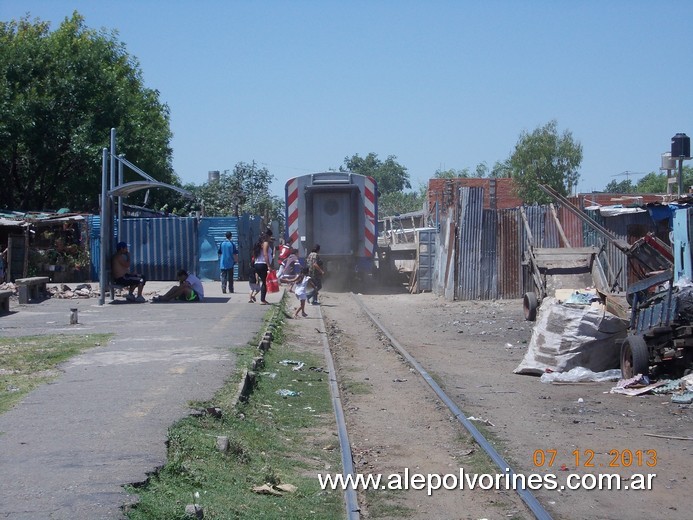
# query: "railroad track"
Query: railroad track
{"points": [[346, 449]]}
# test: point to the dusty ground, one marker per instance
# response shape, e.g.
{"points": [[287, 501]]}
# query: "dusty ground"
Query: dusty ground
{"points": [[471, 348]]}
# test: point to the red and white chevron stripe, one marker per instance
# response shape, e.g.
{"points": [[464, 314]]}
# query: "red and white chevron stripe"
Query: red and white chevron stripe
{"points": [[292, 212], [370, 223]]}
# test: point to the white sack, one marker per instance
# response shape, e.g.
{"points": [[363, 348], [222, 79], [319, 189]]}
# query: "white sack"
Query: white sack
{"points": [[567, 336]]}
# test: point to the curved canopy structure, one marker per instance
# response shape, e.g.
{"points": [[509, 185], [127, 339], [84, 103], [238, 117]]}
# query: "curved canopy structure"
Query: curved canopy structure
{"points": [[129, 188]]}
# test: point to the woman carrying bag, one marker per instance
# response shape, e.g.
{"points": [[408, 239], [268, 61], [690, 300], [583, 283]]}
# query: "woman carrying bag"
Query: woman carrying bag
{"points": [[263, 261]]}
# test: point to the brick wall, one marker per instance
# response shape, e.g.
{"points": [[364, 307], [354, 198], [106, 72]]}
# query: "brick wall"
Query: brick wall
{"points": [[446, 192]]}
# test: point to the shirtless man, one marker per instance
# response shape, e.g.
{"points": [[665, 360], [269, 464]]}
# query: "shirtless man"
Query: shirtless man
{"points": [[120, 270]]}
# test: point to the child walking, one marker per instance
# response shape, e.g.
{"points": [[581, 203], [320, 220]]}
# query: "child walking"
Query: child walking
{"points": [[301, 290], [254, 283]]}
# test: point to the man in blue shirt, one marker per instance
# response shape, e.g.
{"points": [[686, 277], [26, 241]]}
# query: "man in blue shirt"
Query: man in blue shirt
{"points": [[227, 259]]}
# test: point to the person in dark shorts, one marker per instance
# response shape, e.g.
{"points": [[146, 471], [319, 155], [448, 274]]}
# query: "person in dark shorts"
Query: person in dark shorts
{"points": [[254, 283], [316, 271], [120, 270], [189, 289]]}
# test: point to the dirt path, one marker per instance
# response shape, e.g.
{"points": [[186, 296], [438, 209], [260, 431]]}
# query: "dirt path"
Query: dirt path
{"points": [[471, 349], [396, 422]]}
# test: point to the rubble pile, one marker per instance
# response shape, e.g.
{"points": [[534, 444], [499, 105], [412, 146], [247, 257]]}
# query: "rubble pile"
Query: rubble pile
{"points": [[65, 292]]}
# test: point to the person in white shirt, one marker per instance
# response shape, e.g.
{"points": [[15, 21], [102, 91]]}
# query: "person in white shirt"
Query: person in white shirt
{"points": [[303, 287], [189, 289], [262, 253]]}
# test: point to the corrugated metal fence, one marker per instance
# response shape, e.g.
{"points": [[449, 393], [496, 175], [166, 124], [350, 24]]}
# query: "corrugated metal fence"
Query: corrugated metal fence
{"points": [[161, 246], [488, 257]]}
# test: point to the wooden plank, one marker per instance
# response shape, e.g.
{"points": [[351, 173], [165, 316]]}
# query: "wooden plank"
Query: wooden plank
{"points": [[564, 264], [567, 250], [558, 225]]}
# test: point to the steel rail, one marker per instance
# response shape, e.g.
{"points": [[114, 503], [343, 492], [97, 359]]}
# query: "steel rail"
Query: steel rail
{"points": [[525, 495], [352, 505]]}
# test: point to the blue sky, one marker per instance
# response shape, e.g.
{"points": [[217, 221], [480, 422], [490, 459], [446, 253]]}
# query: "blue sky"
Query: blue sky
{"points": [[299, 85]]}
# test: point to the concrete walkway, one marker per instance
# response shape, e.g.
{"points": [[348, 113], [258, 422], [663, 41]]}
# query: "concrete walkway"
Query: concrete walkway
{"points": [[68, 448]]}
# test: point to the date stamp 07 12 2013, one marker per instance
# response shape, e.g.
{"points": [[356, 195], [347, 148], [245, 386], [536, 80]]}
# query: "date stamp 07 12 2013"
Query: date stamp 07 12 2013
{"points": [[587, 458]]}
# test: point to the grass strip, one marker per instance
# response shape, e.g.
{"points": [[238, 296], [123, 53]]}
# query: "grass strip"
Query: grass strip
{"points": [[29, 361], [273, 440]]}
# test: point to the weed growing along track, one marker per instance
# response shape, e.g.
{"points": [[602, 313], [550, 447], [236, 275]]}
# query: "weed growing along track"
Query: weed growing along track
{"points": [[273, 440]]}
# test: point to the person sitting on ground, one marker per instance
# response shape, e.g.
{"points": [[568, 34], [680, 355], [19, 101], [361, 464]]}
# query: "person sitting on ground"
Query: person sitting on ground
{"points": [[120, 270], [189, 289]]}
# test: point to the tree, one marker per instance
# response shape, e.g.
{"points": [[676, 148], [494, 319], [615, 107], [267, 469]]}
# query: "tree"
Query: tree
{"points": [[60, 94], [625, 186], [544, 157], [480, 172], [389, 174], [398, 202], [657, 182], [501, 170], [452, 174], [392, 178], [245, 190]]}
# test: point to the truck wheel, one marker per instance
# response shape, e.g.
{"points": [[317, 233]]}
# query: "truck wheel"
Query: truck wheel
{"points": [[529, 305], [635, 357]]}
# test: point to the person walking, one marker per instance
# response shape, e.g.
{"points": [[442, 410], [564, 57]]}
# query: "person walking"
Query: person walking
{"points": [[301, 282], [254, 284], [316, 271], [289, 267], [228, 257], [262, 252]]}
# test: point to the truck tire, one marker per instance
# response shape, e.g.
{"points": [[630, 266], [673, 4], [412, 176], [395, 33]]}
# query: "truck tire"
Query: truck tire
{"points": [[635, 357], [529, 305]]}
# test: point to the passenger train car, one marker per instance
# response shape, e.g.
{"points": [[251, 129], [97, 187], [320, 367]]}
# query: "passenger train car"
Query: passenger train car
{"points": [[338, 211]]}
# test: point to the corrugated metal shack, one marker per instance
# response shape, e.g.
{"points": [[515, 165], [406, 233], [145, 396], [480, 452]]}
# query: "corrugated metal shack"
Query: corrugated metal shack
{"points": [[481, 237], [66, 247], [44, 244]]}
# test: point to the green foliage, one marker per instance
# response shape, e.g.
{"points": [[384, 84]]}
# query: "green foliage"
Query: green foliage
{"points": [[653, 182], [389, 174], [480, 172], [275, 440], [245, 190], [452, 174], [620, 187], [392, 178], [501, 170], [544, 157], [60, 94], [657, 182], [399, 202]]}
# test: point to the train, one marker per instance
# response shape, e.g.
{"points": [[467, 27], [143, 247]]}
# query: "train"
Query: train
{"points": [[338, 211]]}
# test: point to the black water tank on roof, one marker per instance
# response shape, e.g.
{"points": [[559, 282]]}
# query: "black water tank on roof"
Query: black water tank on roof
{"points": [[680, 146]]}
